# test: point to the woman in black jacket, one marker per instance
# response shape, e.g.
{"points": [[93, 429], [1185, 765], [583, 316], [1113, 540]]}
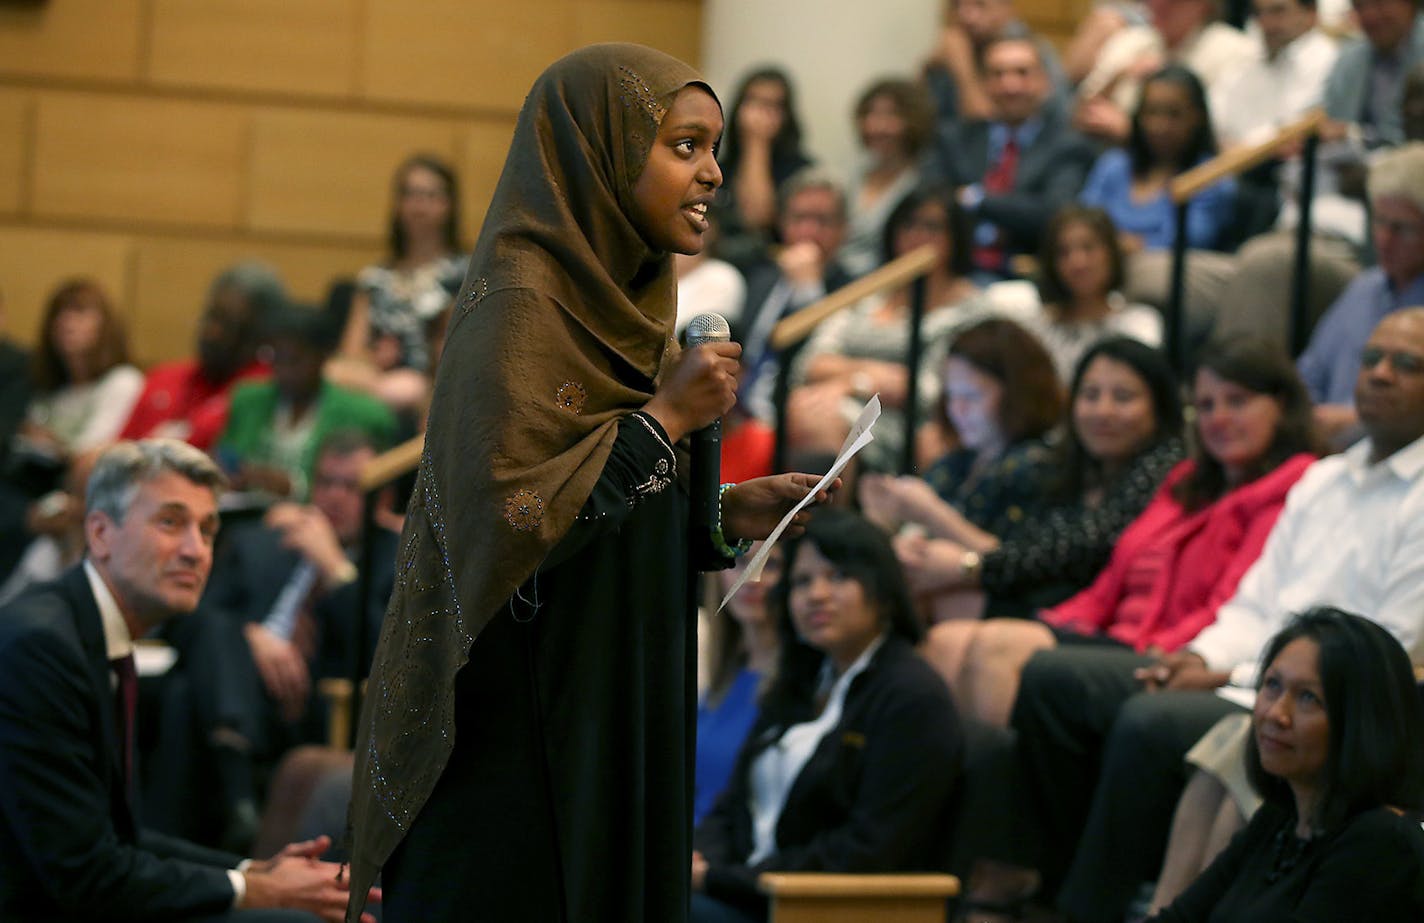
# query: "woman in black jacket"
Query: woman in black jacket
{"points": [[851, 764]]}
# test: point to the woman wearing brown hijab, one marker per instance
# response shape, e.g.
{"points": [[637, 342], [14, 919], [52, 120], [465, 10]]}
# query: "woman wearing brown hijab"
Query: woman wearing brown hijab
{"points": [[526, 739]]}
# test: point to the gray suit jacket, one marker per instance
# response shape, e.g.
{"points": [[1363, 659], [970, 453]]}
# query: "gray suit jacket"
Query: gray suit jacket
{"points": [[1347, 89], [1050, 173]]}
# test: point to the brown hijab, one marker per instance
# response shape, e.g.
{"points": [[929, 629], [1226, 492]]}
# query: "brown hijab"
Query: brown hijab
{"points": [[560, 329]]}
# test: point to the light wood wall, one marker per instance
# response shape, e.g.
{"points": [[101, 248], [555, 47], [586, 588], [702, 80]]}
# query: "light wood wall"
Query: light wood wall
{"points": [[150, 143], [1055, 19]]}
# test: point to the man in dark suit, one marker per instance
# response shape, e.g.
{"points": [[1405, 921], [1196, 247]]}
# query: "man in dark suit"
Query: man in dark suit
{"points": [[812, 225], [282, 611], [71, 848], [1013, 170]]}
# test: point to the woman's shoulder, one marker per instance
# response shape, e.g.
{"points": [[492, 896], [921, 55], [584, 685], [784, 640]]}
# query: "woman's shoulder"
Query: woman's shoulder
{"points": [[1272, 486]]}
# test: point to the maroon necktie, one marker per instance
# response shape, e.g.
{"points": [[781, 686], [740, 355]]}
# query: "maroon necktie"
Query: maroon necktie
{"points": [[125, 707], [998, 180]]}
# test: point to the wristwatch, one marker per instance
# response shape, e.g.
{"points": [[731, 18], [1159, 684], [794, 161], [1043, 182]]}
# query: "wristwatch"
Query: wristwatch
{"points": [[969, 565]]}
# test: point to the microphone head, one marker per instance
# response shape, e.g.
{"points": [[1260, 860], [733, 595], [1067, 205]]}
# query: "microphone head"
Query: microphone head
{"points": [[708, 328]]}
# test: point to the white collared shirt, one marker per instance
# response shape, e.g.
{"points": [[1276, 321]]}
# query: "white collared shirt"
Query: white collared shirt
{"points": [[1351, 536], [775, 771], [1267, 93], [117, 640]]}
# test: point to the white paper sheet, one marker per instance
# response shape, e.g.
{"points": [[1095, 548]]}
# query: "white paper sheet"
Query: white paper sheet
{"points": [[860, 436]]}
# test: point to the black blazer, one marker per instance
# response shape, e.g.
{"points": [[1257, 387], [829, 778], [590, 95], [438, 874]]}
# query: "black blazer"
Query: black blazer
{"points": [[1050, 173], [70, 849], [874, 796]]}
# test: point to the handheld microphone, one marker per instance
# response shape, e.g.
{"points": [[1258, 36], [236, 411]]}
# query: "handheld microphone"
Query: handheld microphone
{"points": [[707, 442]]}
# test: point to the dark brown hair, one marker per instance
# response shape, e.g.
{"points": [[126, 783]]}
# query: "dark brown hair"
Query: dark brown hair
{"points": [[395, 239], [911, 100], [111, 349], [1032, 401], [1263, 368], [1051, 288]]}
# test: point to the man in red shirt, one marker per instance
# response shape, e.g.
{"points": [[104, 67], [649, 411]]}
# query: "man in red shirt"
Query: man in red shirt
{"points": [[188, 399]]}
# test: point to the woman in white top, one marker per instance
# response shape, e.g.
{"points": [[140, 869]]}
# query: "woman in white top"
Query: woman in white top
{"points": [[386, 348], [85, 387], [852, 762], [895, 123], [1080, 274]]}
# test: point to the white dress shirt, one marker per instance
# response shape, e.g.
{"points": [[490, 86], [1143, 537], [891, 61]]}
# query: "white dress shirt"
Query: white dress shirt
{"points": [[775, 771], [1351, 536], [1267, 93]]}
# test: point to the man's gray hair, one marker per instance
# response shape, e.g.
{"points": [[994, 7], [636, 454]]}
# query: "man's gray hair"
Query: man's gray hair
{"points": [[1399, 174], [125, 465], [812, 178]]}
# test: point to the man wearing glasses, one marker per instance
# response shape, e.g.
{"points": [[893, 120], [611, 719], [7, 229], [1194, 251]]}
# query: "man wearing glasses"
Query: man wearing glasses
{"points": [[1331, 361]]}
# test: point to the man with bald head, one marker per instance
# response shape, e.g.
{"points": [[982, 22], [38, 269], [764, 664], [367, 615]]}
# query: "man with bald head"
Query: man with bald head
{"points": [[1351, 535]]}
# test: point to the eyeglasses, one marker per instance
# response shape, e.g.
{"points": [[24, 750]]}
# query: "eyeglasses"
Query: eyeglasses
{"points": [[1397, 228], [1403, 362]]}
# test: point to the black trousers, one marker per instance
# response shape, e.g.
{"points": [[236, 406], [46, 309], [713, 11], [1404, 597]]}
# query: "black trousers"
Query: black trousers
{"points": [[1103, 768]]}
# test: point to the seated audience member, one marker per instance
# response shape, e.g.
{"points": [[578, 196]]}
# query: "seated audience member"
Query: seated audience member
{"points": [[1182, 33], [740, 663], [1122, 437], [1014, 167], [1080, 278], [54, 527], [284, 592], [84, 386], [861, 351], [1334, 752], [384, 349], [1362, 93], [851, 764], [1280, 85], [188, 399], [1331, 361], [812, 225], [1002, 397], [1171, 133], [274, 427], [1183, 556], [70, 844], [954, 71], [761, 150], [895, 127], [1103, 759]]}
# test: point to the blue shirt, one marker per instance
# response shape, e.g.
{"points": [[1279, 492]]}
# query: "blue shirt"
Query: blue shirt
{"points": [[1331, 363], [721, 730], [986, 234], [1109, 186]]}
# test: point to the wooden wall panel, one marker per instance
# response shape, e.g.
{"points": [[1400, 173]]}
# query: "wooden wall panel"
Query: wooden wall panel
{"points": [[674, 26], [14, 141], [34, 261], [71, 38], [331, 172], [288, 46], [456, 53], [172, 276], [130, 159], [483, 147]]}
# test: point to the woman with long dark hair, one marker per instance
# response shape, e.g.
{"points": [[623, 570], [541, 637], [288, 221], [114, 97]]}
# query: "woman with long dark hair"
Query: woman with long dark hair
{"points": [[760, 150], [851, 764], [386, 347], [1334, 751]]}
